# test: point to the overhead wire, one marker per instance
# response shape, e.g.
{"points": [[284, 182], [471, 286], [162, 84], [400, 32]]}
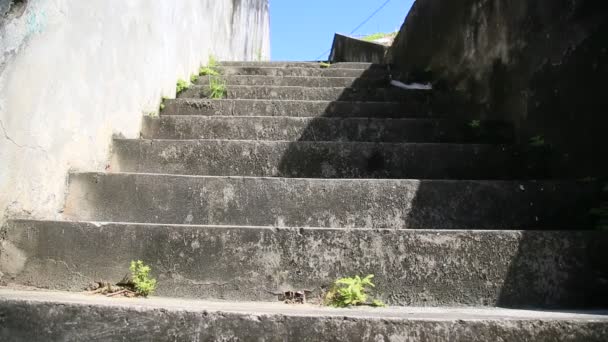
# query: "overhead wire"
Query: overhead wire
{"points": [[360, 25]]}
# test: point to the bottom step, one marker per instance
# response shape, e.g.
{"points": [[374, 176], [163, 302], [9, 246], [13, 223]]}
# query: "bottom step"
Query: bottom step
{"points": [[56, 316]]}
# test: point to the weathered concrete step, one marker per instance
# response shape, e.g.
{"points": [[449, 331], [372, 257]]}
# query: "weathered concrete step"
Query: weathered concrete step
{"points": [[299, 81], [428, 268], [322, 129], [332, 203], [313, 94], [295, 108], [317, 159], [314, 65], [55, 316], [308, 72]]}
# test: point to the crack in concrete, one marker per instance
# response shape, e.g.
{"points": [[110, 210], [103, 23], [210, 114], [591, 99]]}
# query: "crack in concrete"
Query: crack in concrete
{"points": [[7, 137]]}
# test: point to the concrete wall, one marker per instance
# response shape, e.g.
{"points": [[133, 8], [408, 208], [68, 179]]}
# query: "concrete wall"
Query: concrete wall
{"points": [[542, 65], [348, 49], [73, 73]]}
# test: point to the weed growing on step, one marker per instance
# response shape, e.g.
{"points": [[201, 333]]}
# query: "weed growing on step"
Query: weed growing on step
{"points": [[217, 88], [475, 124], [193, 78], [351, 292], [181, 86], [210, 69], [138, 284], [161, 107], [143, 283], [537, 141], [324, 65]]}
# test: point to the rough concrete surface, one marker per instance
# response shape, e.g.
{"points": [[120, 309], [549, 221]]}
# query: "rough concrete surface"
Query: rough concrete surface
{"points": [[299, 108], [335, 203], [412, 267], [314, 159], [297, 81], [312, 94], [304, 72], [272, 128], [72, 73], [51, 316], [314, 65]]}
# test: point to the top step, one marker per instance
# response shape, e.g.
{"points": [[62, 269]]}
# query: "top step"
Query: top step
{"points": [[317, 65]]}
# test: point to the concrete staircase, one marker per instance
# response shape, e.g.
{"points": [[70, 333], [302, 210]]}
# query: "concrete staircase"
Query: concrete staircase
{"points": [[300, 176]]}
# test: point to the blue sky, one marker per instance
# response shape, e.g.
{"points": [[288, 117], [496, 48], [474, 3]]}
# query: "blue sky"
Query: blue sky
{"points": [[303, 30]]}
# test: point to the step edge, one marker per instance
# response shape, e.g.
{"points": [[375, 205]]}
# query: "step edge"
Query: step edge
{"points": [[271, 308]]}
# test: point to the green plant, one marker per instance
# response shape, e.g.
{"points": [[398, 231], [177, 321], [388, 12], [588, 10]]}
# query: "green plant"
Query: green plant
{"points": [[162, 104], [537, 141], [475, 124], [193, 78], [324, 65], [375, 36], [210, 69], [217, 88], [351, 292], [181, 86], [140, 273]]}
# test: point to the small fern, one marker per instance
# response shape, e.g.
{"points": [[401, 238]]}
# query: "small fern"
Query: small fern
{"points": [[351, 292], [140, 273]]}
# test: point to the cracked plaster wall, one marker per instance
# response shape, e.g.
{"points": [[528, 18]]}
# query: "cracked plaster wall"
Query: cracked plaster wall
{"points": [[73, 73]]}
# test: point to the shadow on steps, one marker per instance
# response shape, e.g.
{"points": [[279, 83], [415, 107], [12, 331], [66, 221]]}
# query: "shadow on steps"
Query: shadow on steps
{"points": [[549, 213]]}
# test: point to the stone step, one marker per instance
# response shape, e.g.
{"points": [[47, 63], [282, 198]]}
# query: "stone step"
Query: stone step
{"points": [[304, 72], [295, 108], [313, 94], [37, 316], [322, 129], [304, 159], [314, 65], [331, 203], [553, 269], [298, 81]]}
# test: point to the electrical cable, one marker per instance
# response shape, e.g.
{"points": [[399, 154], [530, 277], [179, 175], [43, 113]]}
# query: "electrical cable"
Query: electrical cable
{"points": [[360, 25]]}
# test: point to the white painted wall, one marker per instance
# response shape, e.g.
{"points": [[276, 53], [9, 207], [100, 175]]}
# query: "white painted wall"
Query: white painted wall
{"points": [[73, 73]]}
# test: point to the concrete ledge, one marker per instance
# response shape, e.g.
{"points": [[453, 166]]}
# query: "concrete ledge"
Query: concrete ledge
{"points": [[307, 72], [313, 94], [295, 108], [298, 81], [322, 129], [314, 65], [318, 159], [411, 267], [47, 317], [348, 49], [335, 203]]}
